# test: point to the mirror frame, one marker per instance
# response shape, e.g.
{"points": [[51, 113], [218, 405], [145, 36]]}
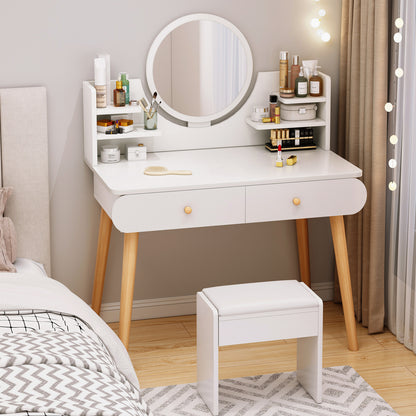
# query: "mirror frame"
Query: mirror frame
{"points": [[198, 120]]}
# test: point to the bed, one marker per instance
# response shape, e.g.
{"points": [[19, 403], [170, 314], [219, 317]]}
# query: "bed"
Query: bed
{"points": [[57, 357]]}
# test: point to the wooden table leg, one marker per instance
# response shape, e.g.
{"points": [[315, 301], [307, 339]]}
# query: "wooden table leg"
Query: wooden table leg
{"points": [[131, 242], [303, 250], [104, 235], [341, 258]]}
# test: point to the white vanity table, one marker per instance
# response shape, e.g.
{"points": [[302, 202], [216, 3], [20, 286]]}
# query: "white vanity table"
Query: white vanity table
{"points": [[234, 180]]}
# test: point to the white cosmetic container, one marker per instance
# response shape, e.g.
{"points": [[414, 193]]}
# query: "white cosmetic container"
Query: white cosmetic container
{"points": [[110, 154]]}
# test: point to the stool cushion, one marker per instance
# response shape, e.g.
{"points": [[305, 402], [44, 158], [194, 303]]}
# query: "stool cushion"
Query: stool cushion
{"points": [[261, 297]]}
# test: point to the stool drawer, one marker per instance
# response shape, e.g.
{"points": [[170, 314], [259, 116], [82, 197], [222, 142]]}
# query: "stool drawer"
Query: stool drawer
{"points": [[183, 209], [268, 326], [304, 200]]}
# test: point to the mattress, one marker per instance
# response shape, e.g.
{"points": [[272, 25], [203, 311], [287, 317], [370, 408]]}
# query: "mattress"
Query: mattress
{"points": [[57, 357]]}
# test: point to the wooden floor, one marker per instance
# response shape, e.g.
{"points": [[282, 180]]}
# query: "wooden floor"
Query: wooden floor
{"points": [[163, 352]]}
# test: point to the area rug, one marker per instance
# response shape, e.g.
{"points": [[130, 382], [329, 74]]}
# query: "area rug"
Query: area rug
{"points": [[345, 393]]}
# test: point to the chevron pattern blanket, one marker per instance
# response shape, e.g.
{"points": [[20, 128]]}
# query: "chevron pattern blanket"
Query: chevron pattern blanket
{"points": [[56, 372]]}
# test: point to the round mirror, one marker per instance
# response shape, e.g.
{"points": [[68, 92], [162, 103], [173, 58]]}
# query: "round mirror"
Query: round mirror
{"points": [[200, 66]]}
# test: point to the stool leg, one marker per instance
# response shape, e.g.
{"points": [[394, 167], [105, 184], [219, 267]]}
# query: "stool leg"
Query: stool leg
{"points": [[309, 366], [207, 352]]}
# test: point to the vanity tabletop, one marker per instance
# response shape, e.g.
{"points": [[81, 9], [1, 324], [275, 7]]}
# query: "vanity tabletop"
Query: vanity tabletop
{"points": [[222, 167]]}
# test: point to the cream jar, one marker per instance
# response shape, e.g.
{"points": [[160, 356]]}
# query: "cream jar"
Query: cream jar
{"points": [[110, 154], [259, 112]]}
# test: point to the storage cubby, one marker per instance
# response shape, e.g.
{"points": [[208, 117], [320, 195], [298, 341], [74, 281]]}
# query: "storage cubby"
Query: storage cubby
{"points": [[321, 124], [93, 139]]}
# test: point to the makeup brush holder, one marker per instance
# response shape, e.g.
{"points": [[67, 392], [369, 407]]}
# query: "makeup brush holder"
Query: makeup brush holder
{"points": [[150, 120]]}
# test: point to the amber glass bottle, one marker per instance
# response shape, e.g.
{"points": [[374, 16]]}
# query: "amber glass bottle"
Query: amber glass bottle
{"points": [[119, 95], [316, 84]]}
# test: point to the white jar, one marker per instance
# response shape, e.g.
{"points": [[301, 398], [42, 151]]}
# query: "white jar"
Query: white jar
{"points": [[110, 154]]}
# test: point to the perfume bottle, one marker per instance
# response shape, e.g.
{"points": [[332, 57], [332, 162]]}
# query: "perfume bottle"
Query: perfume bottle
{"points": [[301, 85], [119, 95], [316, 84]]}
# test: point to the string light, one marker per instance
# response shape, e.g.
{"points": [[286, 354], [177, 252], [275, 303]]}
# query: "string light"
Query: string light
{"points": [[388, 107], [399, 72], [392, 163], [394, 139], [326, 37], [399, 23], [316, 23], [392, 186], [397, 37]]}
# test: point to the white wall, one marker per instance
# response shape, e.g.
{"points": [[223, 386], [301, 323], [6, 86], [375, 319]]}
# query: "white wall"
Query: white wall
{"points": [[53, 43]]}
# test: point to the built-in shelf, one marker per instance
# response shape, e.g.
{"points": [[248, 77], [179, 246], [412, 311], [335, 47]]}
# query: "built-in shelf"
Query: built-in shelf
{"points": [[258, 125], [111, 109], [303, 100], [93, 139], [137, 132]]}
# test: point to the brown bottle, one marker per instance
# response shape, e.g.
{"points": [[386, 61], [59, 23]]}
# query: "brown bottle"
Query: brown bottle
{"points": [[316, 84], [119, 95]]}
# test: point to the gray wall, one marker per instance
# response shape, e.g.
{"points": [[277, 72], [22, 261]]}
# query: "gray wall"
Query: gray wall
{"points": [[53, 43]]}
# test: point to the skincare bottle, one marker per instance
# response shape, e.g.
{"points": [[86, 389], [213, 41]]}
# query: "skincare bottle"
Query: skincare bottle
{"points": [[125, 83], [294, 70], [283, 69], [100, 86], [301, 85], [316, 84], [119, 95]]}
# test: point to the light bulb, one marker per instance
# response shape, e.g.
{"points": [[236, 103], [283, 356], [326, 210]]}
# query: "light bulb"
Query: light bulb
{"points": [[392, 186], [388, 107], [397, 37], [394, 139], [392, 163], [315, 22], [399, 72], [399, 23], [326, 37], [322, 12]]}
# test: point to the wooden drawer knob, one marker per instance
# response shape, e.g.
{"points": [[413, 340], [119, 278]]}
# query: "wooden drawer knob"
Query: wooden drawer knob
{"points": [[296, 201], [188, 210]]}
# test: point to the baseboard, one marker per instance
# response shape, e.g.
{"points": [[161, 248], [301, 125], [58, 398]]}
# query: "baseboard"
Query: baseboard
{"points": [[181, 305]]}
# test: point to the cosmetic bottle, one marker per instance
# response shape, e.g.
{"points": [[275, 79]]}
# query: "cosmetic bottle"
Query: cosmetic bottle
{"points": [[125, 83], [283, 69], [294, 70], [100, 86], [272, 104], [119, 95], [301, 85], [316, 84]]}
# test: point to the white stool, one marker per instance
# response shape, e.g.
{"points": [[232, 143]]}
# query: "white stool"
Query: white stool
{"points": [[256, 312]]}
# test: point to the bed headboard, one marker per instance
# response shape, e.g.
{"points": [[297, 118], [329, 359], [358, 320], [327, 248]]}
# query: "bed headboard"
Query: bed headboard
{"points": [[24, 166]]}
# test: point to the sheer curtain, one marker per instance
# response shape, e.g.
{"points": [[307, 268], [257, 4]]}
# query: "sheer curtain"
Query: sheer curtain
{"points": [[401, 250]]}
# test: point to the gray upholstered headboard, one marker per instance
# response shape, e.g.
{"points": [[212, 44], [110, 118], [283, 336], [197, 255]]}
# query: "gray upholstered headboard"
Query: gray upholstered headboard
{"points": [[24, 166]]}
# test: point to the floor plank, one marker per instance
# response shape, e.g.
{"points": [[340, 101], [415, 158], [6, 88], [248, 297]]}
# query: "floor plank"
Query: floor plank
{"points": [[163, 352]]}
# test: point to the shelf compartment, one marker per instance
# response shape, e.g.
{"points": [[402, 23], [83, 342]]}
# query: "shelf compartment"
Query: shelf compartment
{"points": [[302, 100], [137, 132], [111, 109], [258, 125]]}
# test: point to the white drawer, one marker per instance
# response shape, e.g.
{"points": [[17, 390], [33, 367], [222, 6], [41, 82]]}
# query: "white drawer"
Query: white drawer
{"points": [[166, 210], [315, 199]]}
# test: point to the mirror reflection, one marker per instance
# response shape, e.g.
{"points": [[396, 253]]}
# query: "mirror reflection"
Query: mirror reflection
{"points": [[200, 68]]}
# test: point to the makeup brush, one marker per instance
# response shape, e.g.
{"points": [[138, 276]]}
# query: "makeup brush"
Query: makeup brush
{"points": [[143, 104]]}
